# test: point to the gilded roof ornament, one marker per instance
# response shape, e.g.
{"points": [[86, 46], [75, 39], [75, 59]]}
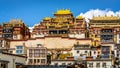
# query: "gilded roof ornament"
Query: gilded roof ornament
{"points": [[47, 18], [63, 11], [106, 17], [79, 17]]}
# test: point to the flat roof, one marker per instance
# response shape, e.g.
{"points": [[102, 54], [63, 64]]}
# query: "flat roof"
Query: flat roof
{"points": [[13, 54]]}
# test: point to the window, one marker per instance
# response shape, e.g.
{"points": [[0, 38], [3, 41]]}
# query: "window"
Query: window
{"points": [[69, 64], [90, 64], [63, 63], [56, 64], [38, 60], [11, 52], [36, 52], [30, 50], [42, 60], [98, 65], [51, 26], [42, 50], [85, 51], [94, 52], [1, 44], [42, 55], [19, 49], [104, 65], [34, 60], [30, 60], [77, 51], [30, 53], [15, 36]]}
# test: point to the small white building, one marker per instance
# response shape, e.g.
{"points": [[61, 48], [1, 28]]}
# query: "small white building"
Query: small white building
{"points": [[19, 49], [99, 63], [8, 60], [37, 55], [79, 50]]}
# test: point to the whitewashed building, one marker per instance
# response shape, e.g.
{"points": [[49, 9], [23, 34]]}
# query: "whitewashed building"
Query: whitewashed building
{"points": [[79, 50], [8, 60], [99, 63]]}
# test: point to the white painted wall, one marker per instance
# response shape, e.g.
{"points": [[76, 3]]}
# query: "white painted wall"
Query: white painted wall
{"points": [[92, 53], [50, 42], [74, 52], [39, 35], [118, 38], [108, 63], [62, 61], [76, 35], [10, 59], [18, 36]]}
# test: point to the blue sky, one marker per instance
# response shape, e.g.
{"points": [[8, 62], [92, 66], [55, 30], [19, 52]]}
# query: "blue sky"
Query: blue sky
{"points": [[33, 11]]}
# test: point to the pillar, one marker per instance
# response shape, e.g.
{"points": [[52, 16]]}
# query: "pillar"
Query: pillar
{"points": [[0, 64]]}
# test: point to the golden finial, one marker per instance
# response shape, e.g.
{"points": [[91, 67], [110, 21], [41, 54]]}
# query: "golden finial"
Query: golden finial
{"points": [[63, 11], [79, 17], [47, 18]]}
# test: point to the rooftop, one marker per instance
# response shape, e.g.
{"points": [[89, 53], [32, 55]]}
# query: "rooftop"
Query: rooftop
{"points": [[106, 18], [63, 11], [79, 17], [47, 18]]}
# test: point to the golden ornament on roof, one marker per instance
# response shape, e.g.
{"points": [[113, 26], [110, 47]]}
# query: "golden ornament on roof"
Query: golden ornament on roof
{"points": [[62, 11], [47, 18], [79, 17]]}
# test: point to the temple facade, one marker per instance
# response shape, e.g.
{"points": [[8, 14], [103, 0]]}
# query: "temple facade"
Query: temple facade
{"points": [[63, 24], [104, 29], [14, 29]]}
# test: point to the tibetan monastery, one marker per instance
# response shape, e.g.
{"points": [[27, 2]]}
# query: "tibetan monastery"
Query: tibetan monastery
{"points": [[104, 29], [61, 31], [63, 24]]}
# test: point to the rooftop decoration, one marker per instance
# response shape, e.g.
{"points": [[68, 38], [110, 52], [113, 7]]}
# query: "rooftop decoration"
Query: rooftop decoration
{"points": [[63, 11], [106, 18], [79, 17], [47, 18]]}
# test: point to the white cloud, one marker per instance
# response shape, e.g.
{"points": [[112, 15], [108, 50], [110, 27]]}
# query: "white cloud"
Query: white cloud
{"points": [[96, 12], [31, 28]]}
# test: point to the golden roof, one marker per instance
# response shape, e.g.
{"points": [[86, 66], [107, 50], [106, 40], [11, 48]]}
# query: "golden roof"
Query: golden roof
{"points": [[79, 17], [47, 18], [106, 18], [63, 11]]}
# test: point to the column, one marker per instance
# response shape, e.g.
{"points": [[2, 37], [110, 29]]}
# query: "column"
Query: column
{"points": [[0, 64]]}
